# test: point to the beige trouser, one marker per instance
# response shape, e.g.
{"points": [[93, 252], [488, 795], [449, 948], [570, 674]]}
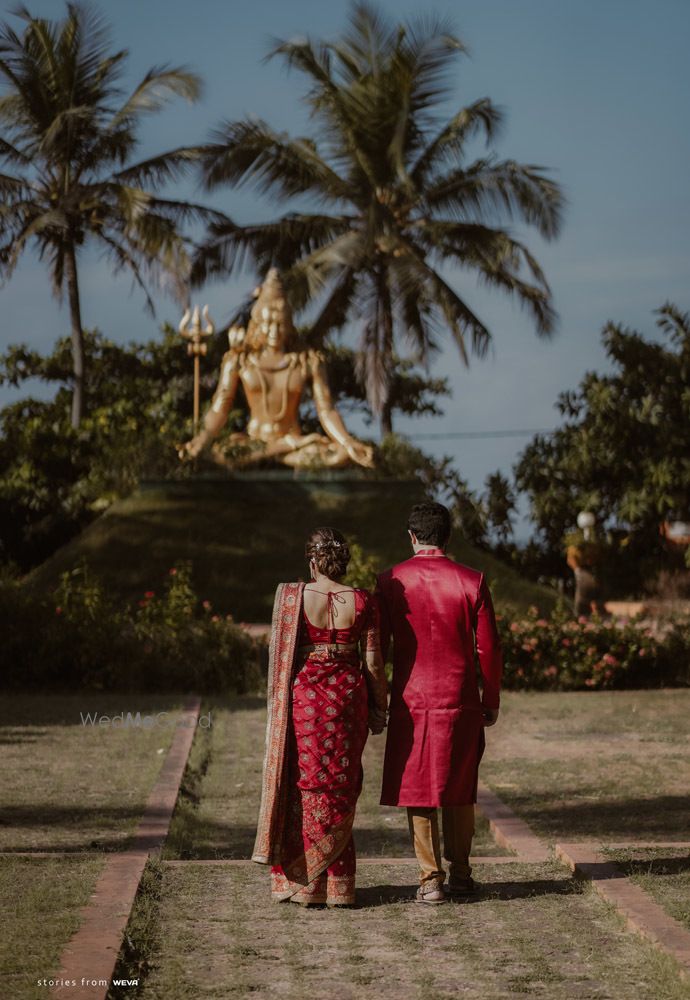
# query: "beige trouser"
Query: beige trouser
{"points": [[458, 830]]}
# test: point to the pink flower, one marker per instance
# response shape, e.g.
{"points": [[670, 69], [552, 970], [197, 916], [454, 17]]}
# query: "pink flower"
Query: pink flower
{"points": [[590, 682], [519, 672], [591, 651], [566, 642], [172, 572], [582, 620], [542, 622], [643, 651], [610, 660], [608, 674], [215, 618], [514, 627], [58, 611], [551, 671], [149, 594], [206, 605]]}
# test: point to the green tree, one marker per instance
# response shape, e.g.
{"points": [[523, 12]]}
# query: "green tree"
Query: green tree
{"points": [[398, 198], [68, 135], [624, 451], [55, 478], [500, 504]]}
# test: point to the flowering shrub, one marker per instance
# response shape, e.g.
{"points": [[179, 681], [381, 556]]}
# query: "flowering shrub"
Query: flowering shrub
{"points": [[168, 640], [565, 654]]}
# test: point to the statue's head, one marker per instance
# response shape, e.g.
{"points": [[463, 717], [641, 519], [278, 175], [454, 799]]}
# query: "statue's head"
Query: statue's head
{"points": [[270, 323]]}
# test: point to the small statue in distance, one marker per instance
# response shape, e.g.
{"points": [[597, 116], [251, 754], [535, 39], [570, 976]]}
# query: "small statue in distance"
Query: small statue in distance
{"points": [[273, 379]]}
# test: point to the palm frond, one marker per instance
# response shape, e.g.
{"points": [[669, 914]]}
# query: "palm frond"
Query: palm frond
{"points": [[160, 169], [251, 152], [491, 187], [452, 138], [158, 87]]}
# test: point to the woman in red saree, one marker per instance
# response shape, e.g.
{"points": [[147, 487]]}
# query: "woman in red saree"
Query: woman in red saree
{"points": [[324, 693]]}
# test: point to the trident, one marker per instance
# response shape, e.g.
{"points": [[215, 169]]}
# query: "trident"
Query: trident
{"points": [[194, 333]]}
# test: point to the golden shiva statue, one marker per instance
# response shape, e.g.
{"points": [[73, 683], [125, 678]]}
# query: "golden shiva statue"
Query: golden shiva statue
{"points": [[273, 379]]}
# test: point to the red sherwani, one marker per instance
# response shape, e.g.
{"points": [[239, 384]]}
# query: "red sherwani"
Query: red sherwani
{"points": [[436, 610]]}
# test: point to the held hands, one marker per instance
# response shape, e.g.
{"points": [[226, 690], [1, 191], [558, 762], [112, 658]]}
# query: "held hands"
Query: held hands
{"points": [[377, 720], [490, 716]]}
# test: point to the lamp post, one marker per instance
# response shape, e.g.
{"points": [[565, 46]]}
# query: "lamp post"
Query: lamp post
{"points": [[582, 557], [191, 329], [586, 521]]}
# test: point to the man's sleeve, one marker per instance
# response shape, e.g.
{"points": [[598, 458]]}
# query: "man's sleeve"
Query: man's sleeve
{"points": [[385, 623], [488, 647]]}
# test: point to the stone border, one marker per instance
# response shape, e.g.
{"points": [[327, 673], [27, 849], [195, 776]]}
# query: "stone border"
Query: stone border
{"points": [[499, 859], [93, 950], [508, 830], [640, 911]]}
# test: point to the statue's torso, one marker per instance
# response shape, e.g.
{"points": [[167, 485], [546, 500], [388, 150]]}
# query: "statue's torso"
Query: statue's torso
{"points": [[273, 391]]}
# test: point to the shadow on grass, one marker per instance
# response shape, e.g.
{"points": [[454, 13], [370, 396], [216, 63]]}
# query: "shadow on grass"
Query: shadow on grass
{"points": [[664, 816], [656, 866], [384, 895], [67, 819]]}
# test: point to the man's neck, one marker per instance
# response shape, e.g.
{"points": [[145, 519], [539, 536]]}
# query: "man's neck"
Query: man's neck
{"points": [[425, 546]]}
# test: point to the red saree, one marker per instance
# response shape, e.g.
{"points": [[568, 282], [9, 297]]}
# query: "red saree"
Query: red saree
{"points": [[315, 735]]}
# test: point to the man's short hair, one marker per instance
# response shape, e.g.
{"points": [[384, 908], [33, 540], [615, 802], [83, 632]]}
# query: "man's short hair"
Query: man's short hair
{"points": [[430, 522]]}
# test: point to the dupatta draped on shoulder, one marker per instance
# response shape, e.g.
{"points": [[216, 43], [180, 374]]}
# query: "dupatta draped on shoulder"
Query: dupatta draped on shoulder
{"points": [[287, 611]]}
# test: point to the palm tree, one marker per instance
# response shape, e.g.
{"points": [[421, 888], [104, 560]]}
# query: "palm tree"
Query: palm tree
{"points": [[397, 200], [67, 134]]}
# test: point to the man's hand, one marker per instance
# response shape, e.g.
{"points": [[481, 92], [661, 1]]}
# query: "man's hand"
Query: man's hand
{"points": [[377, 720], [490, 716]]}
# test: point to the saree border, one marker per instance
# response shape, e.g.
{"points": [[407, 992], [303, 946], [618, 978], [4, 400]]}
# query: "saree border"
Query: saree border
{"points": [[281, 658]]}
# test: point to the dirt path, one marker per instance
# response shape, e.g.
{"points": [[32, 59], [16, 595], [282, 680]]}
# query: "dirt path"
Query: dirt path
{"points": [[535, 932]]}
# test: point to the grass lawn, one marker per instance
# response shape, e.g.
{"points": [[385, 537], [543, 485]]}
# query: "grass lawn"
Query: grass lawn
{"points": [[74, 787], [611, 766], [534, 932], [216, 816], [663, 872], [214, 525], [40, 899]]}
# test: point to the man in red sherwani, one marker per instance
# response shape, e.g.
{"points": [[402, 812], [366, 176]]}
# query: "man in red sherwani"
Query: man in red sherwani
{"points": [[438, 612]]}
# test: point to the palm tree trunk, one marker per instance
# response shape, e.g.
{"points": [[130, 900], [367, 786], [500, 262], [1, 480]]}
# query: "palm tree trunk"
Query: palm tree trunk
{"points": [[387, 323], [386, 420], [77, 334]]}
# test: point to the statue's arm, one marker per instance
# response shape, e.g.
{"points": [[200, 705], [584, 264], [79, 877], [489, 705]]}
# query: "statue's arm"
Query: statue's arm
{"points": [[220, 407], [331, 421]]}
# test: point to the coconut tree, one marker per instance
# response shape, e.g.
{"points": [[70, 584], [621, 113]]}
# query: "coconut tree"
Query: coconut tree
{"points": [[67, 135], [399, 204]]}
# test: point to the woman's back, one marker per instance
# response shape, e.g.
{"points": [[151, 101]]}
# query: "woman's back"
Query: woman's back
{"points": [[334, 615]]}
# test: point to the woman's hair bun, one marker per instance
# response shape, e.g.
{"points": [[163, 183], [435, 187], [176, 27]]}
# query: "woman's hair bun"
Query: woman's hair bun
{"points": [[328, 549]]}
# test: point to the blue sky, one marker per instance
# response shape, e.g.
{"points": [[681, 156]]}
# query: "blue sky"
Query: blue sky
{"points": [[596, 91]]}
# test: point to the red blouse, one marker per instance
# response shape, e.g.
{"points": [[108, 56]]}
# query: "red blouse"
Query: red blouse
{"points": [[365, 625]]}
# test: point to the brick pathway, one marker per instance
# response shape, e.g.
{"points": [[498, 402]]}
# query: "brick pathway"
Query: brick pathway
{"points": [[91, 954], [641, 912]]}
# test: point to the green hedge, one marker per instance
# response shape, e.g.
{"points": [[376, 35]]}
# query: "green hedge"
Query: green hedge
{"points": [[566, 654], [173, 641], [170, 641]]}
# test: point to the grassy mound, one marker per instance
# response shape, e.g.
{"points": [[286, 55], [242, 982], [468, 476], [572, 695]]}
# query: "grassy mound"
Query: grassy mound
{"points": [[243, 536]]}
